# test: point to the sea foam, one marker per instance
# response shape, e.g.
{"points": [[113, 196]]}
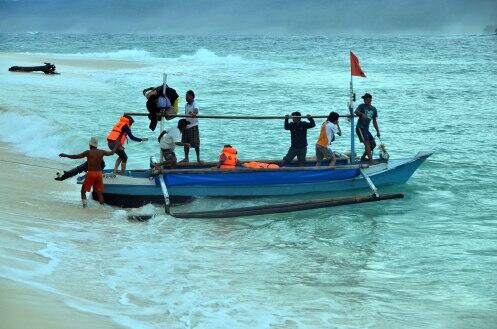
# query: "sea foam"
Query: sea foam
{"points": [[31, 134], [205, 55]]}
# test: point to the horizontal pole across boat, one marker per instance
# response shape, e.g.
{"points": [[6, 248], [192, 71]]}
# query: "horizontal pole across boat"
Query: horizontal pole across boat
{"points": [[239, 117]]}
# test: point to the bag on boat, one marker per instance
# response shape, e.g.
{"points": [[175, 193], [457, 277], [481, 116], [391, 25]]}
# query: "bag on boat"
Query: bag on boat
{"points": [[383, 152], [155, 103], [260, 165]]}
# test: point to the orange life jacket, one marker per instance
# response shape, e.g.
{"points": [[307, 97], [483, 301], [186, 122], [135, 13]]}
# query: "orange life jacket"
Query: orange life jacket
{"points": [[117, 129], [323, 138], [260, 165], [228, 158]]}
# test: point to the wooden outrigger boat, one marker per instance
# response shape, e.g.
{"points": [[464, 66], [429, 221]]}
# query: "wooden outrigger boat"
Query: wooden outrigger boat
{"points": [[48, 68], [140, 187], [167, 186]]}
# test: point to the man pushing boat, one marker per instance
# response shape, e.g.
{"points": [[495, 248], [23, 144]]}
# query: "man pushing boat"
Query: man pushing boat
{"points": [[94, 176]]}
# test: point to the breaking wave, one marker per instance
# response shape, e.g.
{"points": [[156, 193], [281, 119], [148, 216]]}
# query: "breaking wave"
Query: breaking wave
{"points": [[31, 134], [129, 54], [205, 55]]}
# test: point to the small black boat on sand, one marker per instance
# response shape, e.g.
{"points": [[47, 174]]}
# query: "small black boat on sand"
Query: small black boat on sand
{"points": [[48, 68]]}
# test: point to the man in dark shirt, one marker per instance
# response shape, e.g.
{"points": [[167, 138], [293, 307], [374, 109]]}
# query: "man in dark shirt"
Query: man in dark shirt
{"points": [[367, 113], [298, 130]]}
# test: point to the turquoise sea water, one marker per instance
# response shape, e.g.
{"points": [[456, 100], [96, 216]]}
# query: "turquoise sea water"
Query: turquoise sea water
{"points": [[429, 260]]}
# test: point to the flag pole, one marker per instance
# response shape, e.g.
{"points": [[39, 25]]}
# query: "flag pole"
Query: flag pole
{"points": [[351, 110]]}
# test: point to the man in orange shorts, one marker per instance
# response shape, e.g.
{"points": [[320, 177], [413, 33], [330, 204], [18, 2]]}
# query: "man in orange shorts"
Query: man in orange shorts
{"points": [[94, 177]]}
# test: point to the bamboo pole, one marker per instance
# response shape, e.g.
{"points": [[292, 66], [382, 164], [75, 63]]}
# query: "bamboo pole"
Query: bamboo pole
{"points": [[164, 81], [285, 207], [276, 208], [240, 117]]}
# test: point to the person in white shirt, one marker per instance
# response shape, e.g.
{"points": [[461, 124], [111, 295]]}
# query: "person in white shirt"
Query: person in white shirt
{"points": [[169, 139], [191, 135], [327, 135]]}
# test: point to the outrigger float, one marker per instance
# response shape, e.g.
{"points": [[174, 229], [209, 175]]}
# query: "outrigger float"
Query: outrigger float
{"points": [[171, 186]]}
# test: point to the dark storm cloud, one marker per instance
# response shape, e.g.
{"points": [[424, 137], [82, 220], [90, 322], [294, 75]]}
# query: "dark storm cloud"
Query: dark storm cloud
{"points": [[248, 17]]}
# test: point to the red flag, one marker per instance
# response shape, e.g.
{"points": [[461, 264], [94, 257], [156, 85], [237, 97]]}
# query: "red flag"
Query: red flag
{"points": [[355, 68]]}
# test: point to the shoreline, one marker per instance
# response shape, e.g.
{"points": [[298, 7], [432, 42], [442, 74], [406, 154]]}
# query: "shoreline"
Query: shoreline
{"points": [[32, 199], [33, 59]]}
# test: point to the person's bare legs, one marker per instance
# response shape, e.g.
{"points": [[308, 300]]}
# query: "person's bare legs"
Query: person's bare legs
{"points": [[123, 168], [116, 166], [372, 146], [367, 146], [83, 198], [333, 160], [100, 197], [187, 154], [197, 151]]}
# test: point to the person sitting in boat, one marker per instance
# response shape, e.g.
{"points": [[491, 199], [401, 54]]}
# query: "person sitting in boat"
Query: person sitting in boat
{"points": [[367, 113], [94, 177], [298, 133], [228, 158], [117, 136], [169, 139], [329, 129]]}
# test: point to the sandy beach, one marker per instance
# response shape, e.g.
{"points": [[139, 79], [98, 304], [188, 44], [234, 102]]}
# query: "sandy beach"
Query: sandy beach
{"points": [[25, 59], [31, 199], [25, 307]]}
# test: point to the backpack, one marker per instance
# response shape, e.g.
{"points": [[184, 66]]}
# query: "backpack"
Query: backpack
{"points": [[170, 92], [152, 105]]}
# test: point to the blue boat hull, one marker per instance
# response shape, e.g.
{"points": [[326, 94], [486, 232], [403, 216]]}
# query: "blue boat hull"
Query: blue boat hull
{"points": [[140, 188]]}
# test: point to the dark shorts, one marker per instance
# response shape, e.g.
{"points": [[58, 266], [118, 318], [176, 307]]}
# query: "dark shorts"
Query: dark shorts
{"points": [[293, 152], [364, 134], [323, 153], [120, 150], [191, 136]]}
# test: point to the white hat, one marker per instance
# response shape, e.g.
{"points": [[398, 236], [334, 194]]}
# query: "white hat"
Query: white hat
{"points": [[94, 141]]}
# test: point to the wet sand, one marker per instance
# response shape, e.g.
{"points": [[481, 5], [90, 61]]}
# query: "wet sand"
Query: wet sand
{"points": [[30, 199], [25, 307], [23, 59]]}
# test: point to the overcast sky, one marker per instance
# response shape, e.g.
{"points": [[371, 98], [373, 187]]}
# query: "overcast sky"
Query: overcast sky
{"points": [[248, 16]]}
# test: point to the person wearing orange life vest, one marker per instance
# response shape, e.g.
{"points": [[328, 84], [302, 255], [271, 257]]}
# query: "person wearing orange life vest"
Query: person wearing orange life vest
{"points": [[326, 136], [118, 135], [228, 158]]}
